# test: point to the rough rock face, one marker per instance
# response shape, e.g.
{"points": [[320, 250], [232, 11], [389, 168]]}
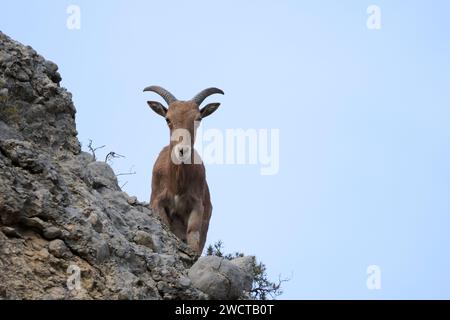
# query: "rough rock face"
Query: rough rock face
{"points": [[246, 265], [61, 211], [221, 278]]}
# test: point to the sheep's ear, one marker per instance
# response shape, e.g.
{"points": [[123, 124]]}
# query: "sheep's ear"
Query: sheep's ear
{"points": [[209, 109], [158, 108]]}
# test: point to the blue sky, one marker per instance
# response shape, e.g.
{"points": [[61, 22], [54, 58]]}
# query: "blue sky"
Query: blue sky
{"points": [[363, 116]]}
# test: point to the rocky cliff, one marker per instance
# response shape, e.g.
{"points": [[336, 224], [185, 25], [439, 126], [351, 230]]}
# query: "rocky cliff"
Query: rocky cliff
{"points": [[67, 231]]}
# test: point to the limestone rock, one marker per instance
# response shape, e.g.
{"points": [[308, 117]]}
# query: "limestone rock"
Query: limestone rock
{"points": [[218, 277], [57, 248], [246, 264], [145, 239], [51, 233]]}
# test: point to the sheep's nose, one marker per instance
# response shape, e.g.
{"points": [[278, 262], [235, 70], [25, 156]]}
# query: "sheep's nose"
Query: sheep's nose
{"points": [[183, 153]]}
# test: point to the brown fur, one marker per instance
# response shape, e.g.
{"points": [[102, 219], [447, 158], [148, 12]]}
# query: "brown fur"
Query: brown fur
{"points": [[180, 193]]}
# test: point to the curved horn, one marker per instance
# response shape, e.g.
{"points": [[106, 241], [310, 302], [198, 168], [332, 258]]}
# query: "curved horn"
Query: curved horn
{"points": [[166, 95], [199, 98]]}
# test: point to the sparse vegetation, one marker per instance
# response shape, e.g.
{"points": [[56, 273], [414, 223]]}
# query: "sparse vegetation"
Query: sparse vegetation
{"points": [[109, 159], [93, 149]]}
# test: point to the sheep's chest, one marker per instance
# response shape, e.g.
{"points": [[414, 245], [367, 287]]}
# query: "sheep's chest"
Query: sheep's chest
{"points": [[180, 205]]}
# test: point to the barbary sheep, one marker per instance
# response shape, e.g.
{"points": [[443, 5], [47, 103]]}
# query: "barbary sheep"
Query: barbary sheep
{"points": [[180, 193]]}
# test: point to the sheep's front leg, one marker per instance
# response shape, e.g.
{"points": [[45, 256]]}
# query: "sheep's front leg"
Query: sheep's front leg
{"points": [[194, 229], [159, 207]]}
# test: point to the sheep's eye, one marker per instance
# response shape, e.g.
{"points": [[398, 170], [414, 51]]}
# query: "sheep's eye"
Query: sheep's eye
{"points": [[168, 121], [198, 119]]}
